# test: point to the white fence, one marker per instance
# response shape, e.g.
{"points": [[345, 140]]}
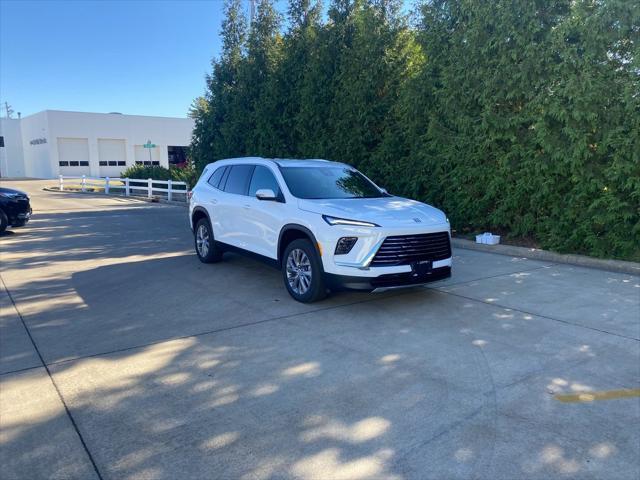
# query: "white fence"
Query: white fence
{"points": [[169, 189]]}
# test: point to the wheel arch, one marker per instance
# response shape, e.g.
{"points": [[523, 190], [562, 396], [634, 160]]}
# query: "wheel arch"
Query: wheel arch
{"points": [[294, 231], [197, 214]]}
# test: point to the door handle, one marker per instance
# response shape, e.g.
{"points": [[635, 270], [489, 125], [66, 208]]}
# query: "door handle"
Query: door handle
{"points": [[247, 207], [213, 202]]}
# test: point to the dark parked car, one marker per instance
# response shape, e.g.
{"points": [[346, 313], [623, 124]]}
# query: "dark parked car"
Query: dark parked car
{"points": [[15, 209]]}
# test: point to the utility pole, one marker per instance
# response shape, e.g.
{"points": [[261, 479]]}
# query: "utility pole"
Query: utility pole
{"points": [[9, 110]]}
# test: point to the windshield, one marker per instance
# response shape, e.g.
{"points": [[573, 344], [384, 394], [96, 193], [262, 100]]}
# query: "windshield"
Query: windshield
{"points": [[328, 182]]}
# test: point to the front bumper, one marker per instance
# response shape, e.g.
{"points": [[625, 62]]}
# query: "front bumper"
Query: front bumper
{"points": [[385, 281], [357, 262], [24, 217], [18, 216]]}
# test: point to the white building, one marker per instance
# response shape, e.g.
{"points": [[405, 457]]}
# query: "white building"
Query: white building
{"points": [[53, 142]]}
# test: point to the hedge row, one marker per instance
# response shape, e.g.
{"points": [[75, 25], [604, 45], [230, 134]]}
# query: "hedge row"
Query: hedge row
{"points": [[521, 117], [186, 174]]}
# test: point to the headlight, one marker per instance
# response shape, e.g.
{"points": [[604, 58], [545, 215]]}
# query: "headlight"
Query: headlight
{"points": [[344, 221]]}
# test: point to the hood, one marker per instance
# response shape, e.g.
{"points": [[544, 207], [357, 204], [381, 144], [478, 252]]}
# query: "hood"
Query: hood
{"points": [[11, 191], [385, 211]]}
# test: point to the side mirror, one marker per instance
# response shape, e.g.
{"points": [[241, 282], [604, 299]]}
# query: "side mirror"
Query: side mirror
{"points": [[266, 194]]}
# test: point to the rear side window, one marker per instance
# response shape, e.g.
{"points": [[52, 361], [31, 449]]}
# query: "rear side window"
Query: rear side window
{"points": [[214, 180], [263, 178], [238, 179]]}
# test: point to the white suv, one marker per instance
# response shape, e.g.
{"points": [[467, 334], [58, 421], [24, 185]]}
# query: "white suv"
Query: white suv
{"points": [[324, 224]]}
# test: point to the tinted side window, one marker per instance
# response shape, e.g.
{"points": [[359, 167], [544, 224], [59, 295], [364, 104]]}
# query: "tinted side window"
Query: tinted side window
{"points": [[263, 178], [238, 179], [214, 180]]}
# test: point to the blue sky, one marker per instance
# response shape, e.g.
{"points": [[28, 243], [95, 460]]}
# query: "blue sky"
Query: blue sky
{"points": [[138, 57]]}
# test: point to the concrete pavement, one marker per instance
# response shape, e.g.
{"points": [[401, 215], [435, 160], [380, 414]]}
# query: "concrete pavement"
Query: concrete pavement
{"points": [[157, 366]]}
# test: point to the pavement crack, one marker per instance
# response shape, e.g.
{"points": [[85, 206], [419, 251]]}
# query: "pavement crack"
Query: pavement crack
{"points": [[53, 382], [526, 312], [446, 429]]}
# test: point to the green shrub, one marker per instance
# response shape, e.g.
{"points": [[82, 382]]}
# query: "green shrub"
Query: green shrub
{"points": [[186, 174], [141, 171]]}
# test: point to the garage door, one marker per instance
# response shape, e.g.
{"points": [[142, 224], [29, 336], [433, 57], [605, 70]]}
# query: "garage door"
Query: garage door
{"points": [[112, 156], [73, 156]]}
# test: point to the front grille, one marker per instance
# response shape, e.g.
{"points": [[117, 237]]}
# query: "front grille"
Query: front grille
{"points": [[406, 249]]}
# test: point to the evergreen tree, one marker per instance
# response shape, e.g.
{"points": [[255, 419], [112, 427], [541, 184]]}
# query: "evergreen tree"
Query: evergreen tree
{"points": [[518, 116], [215, 135], [264, 48], [299, 43]]}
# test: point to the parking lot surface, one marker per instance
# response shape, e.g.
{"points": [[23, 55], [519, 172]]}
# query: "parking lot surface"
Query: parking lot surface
{"points": [[122, 356]]}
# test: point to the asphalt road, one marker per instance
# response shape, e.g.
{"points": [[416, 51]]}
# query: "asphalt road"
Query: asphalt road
{"points": [[122, 356]]}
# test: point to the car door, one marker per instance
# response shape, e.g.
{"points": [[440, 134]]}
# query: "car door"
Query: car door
{"points": [[264, 216], [232, 206], [210, 197]]}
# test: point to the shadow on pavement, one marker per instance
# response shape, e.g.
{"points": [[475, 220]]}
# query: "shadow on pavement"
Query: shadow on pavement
{"points": [[417, 384]]}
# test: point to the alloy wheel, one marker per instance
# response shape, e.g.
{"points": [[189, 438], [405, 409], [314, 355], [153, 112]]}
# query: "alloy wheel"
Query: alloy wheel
{"points": [[299, 271], [202, 240]]}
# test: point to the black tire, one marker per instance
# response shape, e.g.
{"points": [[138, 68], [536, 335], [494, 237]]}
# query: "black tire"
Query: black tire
{"points": [[4, 221], [315, 288], [203, 236]]}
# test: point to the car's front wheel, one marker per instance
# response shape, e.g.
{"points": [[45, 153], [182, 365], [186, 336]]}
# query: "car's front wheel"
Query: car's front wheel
{"points": [[302, 272], [206, 248], [4, 221]]}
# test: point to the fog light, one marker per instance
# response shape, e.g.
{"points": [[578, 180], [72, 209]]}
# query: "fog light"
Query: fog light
{"points": [[345, 244]]}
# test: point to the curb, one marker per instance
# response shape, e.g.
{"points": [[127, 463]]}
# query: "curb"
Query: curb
{"points": [[619, 266], [134, 197]]}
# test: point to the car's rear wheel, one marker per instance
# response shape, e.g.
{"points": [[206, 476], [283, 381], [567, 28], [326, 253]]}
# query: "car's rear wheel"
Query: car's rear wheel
{"points": [[206, 248], [302, 272]]}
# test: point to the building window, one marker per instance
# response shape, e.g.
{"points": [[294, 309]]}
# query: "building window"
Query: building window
{"points": [[122, 163], [113, 163], [103, 163], [177, 156], [155, 163], [64, 163], [1, 141]]}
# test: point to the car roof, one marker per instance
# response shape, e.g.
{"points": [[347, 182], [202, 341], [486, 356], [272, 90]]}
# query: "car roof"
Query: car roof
{"points": [[283, 162], [307, 162]]}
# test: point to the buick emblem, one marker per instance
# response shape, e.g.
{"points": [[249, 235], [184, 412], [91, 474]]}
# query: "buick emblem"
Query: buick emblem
{"points": [[417, 220]]}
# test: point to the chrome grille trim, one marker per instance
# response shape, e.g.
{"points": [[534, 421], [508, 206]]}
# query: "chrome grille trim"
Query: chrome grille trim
{"points": [[406, 249]]}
